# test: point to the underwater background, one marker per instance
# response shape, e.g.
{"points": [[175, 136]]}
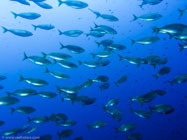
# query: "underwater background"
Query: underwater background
{"points": [[171, 126]]}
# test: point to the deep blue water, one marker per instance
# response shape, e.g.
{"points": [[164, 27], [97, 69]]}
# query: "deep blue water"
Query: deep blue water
{"points": [[140, 80]]}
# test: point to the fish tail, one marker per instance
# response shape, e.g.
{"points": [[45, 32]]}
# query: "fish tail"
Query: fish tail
{"points": [[21, 78], [89, 126], [25, 56], [171, 83], [134, 17], [61, 45], [60, 32], [181, 47], [80, 63], [181, 12], [58, 89], [155, 29], [96, 13], [93, 55], [133, 41], [170, 36], [116, 83], [34, 26], [14, 14], [29, 119], [95, 25], [44, 54], [98, 44], [46, 70], [4, 29], [120, 57], [117, 130], [156, 76], [60, 2], [59, 135], [12, 110]]}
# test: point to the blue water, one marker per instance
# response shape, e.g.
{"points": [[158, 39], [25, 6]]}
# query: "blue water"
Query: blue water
{"points": [[140, 81]]}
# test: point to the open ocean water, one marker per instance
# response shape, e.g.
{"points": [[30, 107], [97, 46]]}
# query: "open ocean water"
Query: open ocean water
{"points": [[57, 82]]}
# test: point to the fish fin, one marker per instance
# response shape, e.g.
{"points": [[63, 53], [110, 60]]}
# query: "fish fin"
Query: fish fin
{"points": [[12, 110], [155, 29], [8, 93], [93, 55], [117, 130], [116, 83], [156, 76], [80, 63], [14, 14], [61, 45], [55, 62], [58, 89], [25, 56], [34, 26], [98, 44], [21, 78], [60, 32], [46, 70], [134, 17], [133, 41], [181, 47], [4, 29], [29, 119], [44, 54], [120, 57], [171, 83], [89, 126]]}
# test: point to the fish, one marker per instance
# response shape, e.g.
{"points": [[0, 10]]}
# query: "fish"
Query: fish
{"points": [[37, 60], [97, 124], [141, 113], [101, 79], [114, 112], [156, 60], [97, 34], [18, 32], [2, 123], [162, 109], [146, 40], [71, 33], [134, 136], [46, 137], [24, 2], [104, 86], [68, 89], [104, 16], [2, 77], [67, 123], [57, 55], [37, 0], [7, 100], [121, 80], [102, 54], [23, 92], [78, 138], [58, 117], [112, 102], [182, 11], [34, 81], [179, 79], [104, 43], [148, 17], [67, 64], [72, 48], [28, 15], [43, 26], [115, 47], [86, 84], [38, 120], [43, 5], [150, 2], [23, 109], [163, 71], [106, 29], [31, 130], [47, 94], [128, 127], [74, 4], [57, 74], [65, 133]]}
